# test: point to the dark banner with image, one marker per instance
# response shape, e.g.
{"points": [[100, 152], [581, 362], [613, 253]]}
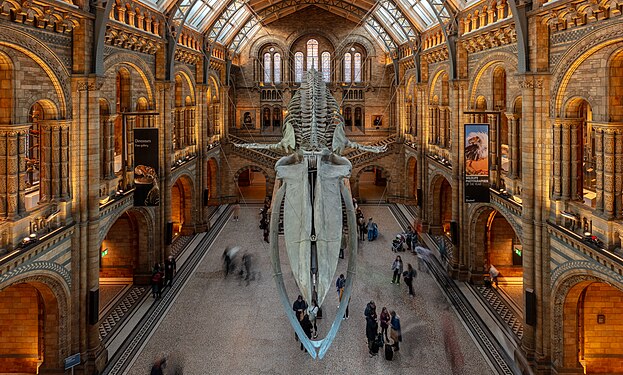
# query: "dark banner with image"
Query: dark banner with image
{"points": [[476, 163], [146, 179]]}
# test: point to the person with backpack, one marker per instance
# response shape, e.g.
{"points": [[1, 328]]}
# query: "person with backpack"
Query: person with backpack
{"points": [[370, 310], [409, 275], [395, 333], [340, 283], [370, 228]]}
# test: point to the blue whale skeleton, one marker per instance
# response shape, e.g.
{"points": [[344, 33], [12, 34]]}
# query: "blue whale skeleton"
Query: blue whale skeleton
{"points": [[311, 185]]}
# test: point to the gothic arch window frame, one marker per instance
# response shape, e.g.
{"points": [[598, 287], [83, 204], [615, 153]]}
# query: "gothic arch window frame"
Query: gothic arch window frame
{"points": [[270, 60], [299, 61], [326, 66], [353, 64], [312, 56]]}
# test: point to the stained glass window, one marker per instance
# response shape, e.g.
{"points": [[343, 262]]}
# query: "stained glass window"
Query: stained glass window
{"points": [[298, 67], [326, 66], [347, 66], [277, 67], [267, 67], [312, 54], [357, 67]]}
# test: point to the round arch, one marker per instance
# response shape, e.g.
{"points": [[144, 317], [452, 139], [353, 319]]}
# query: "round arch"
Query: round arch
{"points": [[186, 74], [46, 292], [372, 183], [492, 59], [182, 204], [245, 176], [212, 181], [116, 60], [443, 69], [440, 203]]}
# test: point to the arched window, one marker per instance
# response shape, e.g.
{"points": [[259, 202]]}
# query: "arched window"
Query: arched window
{"points": [[347, 66], [326, 66], [357, 67], [277, 68], [312, 54], [298, 67], [267, 67]]}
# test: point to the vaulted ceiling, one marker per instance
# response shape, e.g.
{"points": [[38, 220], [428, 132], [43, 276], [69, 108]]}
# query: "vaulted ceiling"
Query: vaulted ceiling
{"points": [[234, 22]]}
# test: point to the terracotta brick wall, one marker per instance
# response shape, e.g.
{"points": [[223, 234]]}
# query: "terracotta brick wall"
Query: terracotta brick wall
{"points": [[603, 343], [19, 329]]}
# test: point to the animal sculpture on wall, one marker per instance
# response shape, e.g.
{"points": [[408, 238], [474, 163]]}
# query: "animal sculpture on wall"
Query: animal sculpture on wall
{"points": [[312, 186]]}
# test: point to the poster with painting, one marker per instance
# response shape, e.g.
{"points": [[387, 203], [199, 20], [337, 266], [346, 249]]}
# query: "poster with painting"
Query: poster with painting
{"points": [[476, 163], [377, 121], [247, 119]]}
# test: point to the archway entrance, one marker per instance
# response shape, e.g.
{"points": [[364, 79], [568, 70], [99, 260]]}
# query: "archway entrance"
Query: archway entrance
{"points": [[124, 257], [251, 186], [372, 182], [181, 207], [29, 339], [502, 249], [593, 311], [442, 207]]}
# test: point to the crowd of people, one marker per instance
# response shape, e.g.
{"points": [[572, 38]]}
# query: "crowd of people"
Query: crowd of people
{"points": [[388, 321]]}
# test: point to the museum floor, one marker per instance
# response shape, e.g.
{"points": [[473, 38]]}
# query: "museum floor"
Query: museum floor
{"points": [[223, 326]]}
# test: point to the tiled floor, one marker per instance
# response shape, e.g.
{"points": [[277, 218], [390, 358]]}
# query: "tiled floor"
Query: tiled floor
{"points": [[222, 326]]}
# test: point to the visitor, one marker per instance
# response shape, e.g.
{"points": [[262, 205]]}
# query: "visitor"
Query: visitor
{"points": [[372, 328], [397, 268], [395, 333], [385, 318], [343, 244], [159, 365], [227, 261], [236, 211], [266, 232], [246, 268], [299, 306], [409, 276], [312, 311], [362, 228], [155, 281], [422, 254], [170, 268], [340, 283], [494, 274], [370, 310], [370, 228], [307, 328]]}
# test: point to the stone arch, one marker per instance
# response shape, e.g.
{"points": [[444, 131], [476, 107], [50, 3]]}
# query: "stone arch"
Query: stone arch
{"points": [[296, 35], [7, 93], [139, 249], [573, 104], [367, 45], [575, 56], [182, 204], [253, 168], [140, 66], [141, 104], [372, 168], [188, 76], [615, 87], [213, 179], [484, 64], [440, 202], [265, 40], [481, 220], [439, 73], [54, 293], [43, 56], [412, 180], [567, 287]]}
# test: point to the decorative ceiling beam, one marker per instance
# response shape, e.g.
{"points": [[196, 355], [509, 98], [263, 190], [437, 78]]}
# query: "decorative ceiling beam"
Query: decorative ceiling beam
{"points": [[102, 13], [174, 27], [447, 16], [521, 29]]}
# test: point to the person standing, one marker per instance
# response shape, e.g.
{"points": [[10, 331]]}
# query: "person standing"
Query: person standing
{"points": [[343, 244], [494, 274], [266, 231], [170, 268], [395, 333], [362, 228], [299, 306], [236, 211], [372, 328], [307, 328], [385, 318], [370, 228], [340, 283], [155, 280], [397, 268], [409, 276], [312, 311]]}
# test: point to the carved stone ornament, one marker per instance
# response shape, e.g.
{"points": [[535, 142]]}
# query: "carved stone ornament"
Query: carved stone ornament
{"points": [[310, 185]]}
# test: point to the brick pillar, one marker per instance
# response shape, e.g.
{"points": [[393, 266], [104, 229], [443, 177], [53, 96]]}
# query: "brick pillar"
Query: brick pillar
{"points": [[493, 149], [618, 174], [599, 168], [64, 193], [12, 170], [513, 154], [557, 152], [165, 106], [609, 162]]}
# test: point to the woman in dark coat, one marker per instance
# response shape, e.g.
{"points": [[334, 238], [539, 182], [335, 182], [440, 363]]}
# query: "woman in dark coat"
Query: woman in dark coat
{"points": [[372, 328], [307, 326]]}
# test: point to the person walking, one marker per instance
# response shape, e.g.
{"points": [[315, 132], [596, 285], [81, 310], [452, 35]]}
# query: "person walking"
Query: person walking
{"points": [[227, 261], [494, 274], [409, 276], [343, 244], [397, 268], [385, 318], [395, 333], [155, 281], [170, 268], [340, 283], [372, 328], [312, 311], [266, 231]]}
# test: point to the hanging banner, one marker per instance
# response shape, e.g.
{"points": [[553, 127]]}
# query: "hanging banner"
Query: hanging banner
{"points": [[476, 163], [146, 179]]}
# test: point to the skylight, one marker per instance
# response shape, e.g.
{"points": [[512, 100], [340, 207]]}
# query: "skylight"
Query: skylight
{"points": [[375, 28], [394, 21], [421, 12]]}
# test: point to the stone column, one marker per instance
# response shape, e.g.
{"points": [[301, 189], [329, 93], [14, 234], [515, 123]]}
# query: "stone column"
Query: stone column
{"points": [[618, 173], [575, 148], [599, 168], [494, 166], [12, 170], [566, 160], [609, 158], [557, 160], [513, 155], [64, 193], [443, 123]]}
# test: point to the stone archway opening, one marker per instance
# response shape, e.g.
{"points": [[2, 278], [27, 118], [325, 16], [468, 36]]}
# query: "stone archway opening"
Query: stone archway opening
{"points": [[372, 184], [251, 186], [441, 208], [29, 339], [592, 312], [181, 207], [501, 248]]}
